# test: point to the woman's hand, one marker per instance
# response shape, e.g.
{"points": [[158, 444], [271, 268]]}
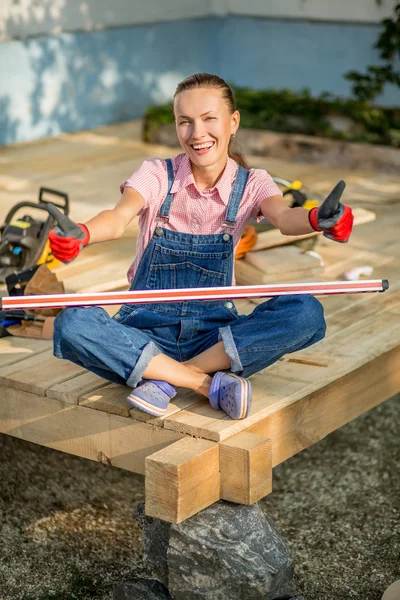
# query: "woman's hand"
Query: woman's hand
{"points": [[332, 217], [66, 248]]}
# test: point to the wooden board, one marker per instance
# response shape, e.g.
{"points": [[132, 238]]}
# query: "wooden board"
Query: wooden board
{"points": [[114, 440], [298, 425], [182, 479]]}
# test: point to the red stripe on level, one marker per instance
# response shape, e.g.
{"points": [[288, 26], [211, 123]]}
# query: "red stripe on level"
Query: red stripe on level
{"points": [[185, 294]]}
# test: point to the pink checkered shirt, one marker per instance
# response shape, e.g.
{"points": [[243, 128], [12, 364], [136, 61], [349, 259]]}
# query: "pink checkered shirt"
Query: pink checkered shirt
{"points": [[193, 211]]}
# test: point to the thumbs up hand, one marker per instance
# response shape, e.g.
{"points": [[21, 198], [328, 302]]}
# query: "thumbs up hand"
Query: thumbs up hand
{"points": [[332, 217], [68, 238]]}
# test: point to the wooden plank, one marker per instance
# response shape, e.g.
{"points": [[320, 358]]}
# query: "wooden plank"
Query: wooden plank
{"points": [[71, 390], [245, 465], [182, 479], [296, 371], [305, 357], [110, 398], [38, 373], [184, 399], [203, 421], [289, 259], [14, 349], [26, 363], [305, 422], [247, 274], [96, 435], [274, 238]]}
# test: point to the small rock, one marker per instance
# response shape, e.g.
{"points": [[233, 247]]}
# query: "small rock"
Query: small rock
{"points": [[141, 589]]}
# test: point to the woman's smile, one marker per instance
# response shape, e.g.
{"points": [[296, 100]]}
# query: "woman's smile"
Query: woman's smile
{"points": [[203, 148]]}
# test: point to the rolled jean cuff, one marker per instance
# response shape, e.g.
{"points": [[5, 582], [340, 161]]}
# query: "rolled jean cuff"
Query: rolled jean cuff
{"points": [[225, 334], [149, 352]]}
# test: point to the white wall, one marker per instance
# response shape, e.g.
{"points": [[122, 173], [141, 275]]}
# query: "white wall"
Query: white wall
{"points": [[350, 11], [27, 18]]}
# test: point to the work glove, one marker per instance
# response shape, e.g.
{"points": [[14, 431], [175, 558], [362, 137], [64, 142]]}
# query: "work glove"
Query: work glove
{"points": [[332, 217], [68, 238]]}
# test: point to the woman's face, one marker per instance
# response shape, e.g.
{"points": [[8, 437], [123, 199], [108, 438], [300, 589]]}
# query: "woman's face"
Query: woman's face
{"points": [[204, 125]]}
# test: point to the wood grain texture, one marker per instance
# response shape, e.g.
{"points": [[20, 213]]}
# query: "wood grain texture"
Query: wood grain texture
{"points": [[182, 479], [245, 465], [307, 421], [97, 435]]}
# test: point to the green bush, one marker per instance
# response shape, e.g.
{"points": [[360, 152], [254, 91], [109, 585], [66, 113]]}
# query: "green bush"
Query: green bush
{"points": [[298, 112]]}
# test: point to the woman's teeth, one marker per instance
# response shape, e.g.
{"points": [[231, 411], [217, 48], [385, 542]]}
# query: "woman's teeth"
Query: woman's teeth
{"points": [[202, 148]]}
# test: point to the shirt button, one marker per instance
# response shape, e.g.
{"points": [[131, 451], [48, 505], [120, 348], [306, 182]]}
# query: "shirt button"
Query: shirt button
{"points": [[158, 231], [196, 226], [226, 237], [229, 304]]}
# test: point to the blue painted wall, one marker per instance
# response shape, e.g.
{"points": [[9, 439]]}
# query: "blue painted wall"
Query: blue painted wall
{"points": [[77, 81], [273, 53]]}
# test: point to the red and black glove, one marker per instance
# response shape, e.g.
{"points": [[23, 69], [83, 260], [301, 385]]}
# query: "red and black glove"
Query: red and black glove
{"points": [[332, 217], [66, 247]]}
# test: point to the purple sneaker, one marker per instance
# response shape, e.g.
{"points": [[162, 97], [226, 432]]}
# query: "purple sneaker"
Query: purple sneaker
{"points": [[152, 396], [231, 393]]}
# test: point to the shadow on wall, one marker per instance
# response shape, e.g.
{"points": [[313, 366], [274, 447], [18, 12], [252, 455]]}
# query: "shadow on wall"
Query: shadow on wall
{"points": [[8, 126], [76, 81]]}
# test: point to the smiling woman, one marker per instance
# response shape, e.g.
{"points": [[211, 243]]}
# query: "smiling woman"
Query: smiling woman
{"points": [[192, 211]]}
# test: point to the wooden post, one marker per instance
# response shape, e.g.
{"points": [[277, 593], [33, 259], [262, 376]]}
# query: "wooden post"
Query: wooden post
{"points": [[182, 480], [246, 468]]}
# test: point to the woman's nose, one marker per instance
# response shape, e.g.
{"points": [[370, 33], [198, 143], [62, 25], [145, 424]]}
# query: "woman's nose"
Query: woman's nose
{"points": [[197, 130]]}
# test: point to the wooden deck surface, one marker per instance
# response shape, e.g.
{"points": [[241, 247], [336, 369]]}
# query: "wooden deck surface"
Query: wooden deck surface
{"points": [[196, 453]]}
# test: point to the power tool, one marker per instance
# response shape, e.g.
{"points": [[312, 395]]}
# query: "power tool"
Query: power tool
{"points": [[24, 239]]}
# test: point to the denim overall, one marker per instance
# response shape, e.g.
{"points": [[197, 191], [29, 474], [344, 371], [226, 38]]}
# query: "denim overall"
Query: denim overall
{"points": [[120, 348]]}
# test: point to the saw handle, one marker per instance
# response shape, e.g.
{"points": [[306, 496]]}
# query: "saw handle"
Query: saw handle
{"points": [[65, 227]]}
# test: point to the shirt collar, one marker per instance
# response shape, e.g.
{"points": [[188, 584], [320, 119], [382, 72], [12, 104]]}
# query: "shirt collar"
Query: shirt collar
{"points": [[184, 178]]}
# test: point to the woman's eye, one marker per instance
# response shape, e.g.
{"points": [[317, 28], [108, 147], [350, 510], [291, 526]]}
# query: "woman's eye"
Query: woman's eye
{"points": [[208, 118]]}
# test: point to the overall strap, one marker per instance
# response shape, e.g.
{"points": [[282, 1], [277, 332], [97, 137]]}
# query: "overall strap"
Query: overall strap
{"points": [[236, 197], [166, 205]]}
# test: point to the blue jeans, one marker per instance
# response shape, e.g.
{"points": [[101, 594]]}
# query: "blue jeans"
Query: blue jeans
{"points": [[119, 348]]}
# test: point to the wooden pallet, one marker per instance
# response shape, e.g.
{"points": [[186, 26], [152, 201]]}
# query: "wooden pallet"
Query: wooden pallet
{"points": [[194, 455]]}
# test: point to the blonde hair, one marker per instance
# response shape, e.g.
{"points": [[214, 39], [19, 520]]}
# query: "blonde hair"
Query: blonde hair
{"points": [[205, 80]]}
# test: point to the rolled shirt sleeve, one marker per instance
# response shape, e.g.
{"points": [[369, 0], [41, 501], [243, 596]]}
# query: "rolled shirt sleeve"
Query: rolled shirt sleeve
{"points": [[264, 187], [150, 180]]}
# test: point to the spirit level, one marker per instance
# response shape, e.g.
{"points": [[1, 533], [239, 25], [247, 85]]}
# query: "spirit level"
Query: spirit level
{"points": [[186, 294]]}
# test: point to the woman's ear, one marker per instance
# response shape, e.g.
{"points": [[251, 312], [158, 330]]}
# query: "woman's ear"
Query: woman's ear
{"points": [[235, 121]]}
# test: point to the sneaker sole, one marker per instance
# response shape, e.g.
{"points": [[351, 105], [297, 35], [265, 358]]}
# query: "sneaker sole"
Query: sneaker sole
{"points": [[146, 407], [245, 395]]}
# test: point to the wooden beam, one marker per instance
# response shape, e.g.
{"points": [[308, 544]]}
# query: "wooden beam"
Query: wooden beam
{"points": [[94, 434], [246, 468], [302, 423], [182, 479]]}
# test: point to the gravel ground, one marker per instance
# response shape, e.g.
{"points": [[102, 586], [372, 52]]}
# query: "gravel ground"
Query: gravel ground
{"points": [[67, 532]]}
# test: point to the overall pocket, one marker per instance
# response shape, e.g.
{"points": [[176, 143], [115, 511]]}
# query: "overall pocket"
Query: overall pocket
{"points": [[171, 269]]}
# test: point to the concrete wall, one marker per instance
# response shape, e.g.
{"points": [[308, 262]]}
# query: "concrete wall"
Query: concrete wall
{"points": [[77, 81], [26, 18], [341, 11], [278, 54], [67, 65]]}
